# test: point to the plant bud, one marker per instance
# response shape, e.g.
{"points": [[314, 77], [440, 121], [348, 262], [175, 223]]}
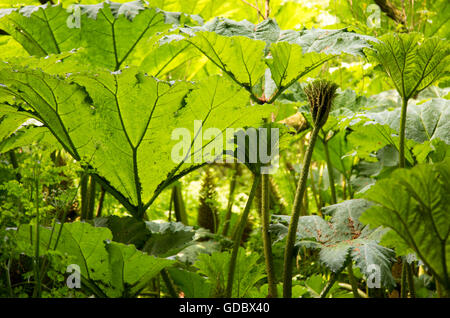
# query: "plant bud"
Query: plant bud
{"points": [[321, 94]]}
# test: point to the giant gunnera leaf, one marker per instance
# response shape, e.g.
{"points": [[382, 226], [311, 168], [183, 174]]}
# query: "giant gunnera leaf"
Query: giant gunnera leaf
{"points": [[108, 268], [344, 237], [125, 125], [244, 51], [411, 62], [161, 239], [18, 129], [414, 204], [425, 123], [131, 270], [114, 34]]}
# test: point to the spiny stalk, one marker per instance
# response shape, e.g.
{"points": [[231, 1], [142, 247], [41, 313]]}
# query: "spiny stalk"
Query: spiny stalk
{"points": [[238, 235], [265, 220], [320, 94]]}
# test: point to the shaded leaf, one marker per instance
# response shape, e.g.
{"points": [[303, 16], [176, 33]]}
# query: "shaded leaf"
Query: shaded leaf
{"points": [[192, 284], [167, 238], [341, 239], [417, 215], [131, 270]]}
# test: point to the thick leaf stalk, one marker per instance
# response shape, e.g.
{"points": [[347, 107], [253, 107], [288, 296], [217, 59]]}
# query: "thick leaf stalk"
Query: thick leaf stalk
{"points": [[37, 286], [166, 278], [227, 219], [402, 133], [179, 207], [330, 172], [268, 256], [301, 188], [320, 96], [333, 278], [238, 235], [91, 198], [352, 280]]}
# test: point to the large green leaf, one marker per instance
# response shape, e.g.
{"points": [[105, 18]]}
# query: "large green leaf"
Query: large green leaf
{"points": [[52, 102], [267, 31], [127, 230], [118, 270], [41, 30], [341, 239], [160, 239], [168, 238], [83, 243], [315, 40], [11, 48], [119, 122], [368, 136], [239, 57], [10, 121], [19, 128], [131, 270], [176, 59], [332, 42], [26, 136], [417, 214], [240, 50], [412, 63], [289, 63], [114, 34], [192, 284], [424, 122]]}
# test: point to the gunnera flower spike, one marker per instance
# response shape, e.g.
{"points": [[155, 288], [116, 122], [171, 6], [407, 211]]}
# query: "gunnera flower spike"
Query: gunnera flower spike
{"points": [[320, 94]]}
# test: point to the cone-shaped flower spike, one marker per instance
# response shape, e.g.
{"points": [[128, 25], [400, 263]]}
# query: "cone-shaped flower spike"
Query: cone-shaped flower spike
{"points": [[320, 95]]}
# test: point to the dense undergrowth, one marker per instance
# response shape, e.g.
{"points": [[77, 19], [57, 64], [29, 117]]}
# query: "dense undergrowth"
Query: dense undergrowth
{"points": [[92, 100]]}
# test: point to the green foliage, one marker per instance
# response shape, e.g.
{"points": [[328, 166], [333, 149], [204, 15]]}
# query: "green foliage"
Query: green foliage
{"points": [[193, 285], [160, 239], [19, 129], [417, 215], [131, 270], [412, 63], [338, 148], [107, 268], [10, 120], [126, 230], [288, 63], [118, 115], [239, 49], [168, 239], [248, 272], [425, 123], [341, 239], [172, 240], [100, 91], [113, 33]]}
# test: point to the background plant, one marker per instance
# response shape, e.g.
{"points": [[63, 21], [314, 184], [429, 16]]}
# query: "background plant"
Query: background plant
{"points": [[95, 104]]}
